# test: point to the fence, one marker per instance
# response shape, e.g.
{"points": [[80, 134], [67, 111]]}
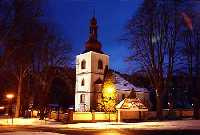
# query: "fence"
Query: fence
{"points": [[83, 116], [122, 115], [150, 115]]}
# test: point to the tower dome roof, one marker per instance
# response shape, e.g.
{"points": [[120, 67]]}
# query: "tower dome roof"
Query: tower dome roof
{"points": [[93, 44]]}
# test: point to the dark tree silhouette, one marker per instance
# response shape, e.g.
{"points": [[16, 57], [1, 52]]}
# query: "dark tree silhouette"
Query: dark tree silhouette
{"points": [[153, 35], [29, 45]]}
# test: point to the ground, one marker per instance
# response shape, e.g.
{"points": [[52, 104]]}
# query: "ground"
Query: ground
{"points": [[35, 127], [29, 133]]}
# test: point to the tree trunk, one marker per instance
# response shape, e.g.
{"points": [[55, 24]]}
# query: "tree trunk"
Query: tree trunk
{"points": [[196, 87], [58, 115], [159, 106], [18, 102]]}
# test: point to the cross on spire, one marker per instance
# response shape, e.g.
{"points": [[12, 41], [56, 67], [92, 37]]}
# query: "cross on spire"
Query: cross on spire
{"points": [[93, 12]]}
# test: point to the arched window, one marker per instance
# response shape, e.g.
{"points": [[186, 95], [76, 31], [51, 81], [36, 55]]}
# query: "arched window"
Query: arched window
{"points": [[100, 64], [123, 96], [83, 64], [82, 98], [82, 82]]}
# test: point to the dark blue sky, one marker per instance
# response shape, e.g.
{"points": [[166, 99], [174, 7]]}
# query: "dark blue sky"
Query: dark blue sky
{"points": [[71, 18]]}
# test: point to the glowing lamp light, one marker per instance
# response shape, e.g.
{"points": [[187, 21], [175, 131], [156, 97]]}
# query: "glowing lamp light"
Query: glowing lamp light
{"points": [[110, 90], [2, 107], [10, 96]]}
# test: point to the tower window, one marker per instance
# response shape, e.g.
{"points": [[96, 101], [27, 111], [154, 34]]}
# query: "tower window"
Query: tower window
{"points": [[100, 64], [82, 82], [82, 98], [83, 64], [123, 96]]}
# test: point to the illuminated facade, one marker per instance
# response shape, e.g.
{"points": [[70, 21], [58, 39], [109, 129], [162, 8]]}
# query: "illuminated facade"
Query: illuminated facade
{"points": [[90, 68]]}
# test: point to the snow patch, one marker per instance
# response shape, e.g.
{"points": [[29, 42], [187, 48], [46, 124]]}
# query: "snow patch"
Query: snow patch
{"points": [[122, 84]]}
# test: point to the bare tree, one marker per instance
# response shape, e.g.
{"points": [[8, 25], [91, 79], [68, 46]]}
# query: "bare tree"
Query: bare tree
{"points": [[20, 22], [190, 51], [55, 52], [28, 42], [152, 34]]}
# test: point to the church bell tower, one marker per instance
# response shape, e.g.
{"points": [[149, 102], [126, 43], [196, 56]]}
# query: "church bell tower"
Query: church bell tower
{"points": [[90, 67]]}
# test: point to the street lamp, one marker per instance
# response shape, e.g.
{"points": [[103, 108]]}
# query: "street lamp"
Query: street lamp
{"points": [[10, 98], [2, 107]]}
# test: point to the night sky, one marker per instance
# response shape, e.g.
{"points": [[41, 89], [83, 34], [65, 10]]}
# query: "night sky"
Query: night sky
{"points": [[71, 18]]}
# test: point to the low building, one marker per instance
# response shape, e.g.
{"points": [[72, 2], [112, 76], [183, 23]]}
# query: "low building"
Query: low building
{"points": [[125, 89]]}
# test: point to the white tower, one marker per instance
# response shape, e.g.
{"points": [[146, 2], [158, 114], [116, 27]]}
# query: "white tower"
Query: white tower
{"points": [[90, 67]]}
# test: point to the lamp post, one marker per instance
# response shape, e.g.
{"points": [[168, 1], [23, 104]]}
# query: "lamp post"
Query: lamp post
{"points": [[10, 98]]}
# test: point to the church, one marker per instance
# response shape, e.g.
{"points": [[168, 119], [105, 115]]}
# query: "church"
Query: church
{"points": [[91, 68]]}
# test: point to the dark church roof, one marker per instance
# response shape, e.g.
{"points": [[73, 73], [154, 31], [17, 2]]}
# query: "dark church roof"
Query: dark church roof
{"points": [[93, 44], [122, 84]]}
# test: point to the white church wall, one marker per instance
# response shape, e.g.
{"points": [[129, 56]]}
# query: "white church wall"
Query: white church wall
{"points": [[87, 81], [82, 106], [83, 89], [95, 57], [90, 74], [79, 59]]}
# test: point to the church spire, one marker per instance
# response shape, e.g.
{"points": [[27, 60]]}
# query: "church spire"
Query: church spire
{"points": [[93, 44], [93, 28]]}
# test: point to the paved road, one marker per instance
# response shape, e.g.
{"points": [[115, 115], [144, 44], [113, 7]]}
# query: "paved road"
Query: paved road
{"points": [[36, 127], [25, 130], [29, 133]]}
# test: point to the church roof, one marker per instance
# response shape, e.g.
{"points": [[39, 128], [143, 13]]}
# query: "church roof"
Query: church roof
{"points": [[123, 85]]}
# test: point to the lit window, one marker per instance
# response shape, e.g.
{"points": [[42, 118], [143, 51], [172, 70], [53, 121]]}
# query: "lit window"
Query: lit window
{"points": [[83, 82], [100, 64], [82, 97], [83, 64]]}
